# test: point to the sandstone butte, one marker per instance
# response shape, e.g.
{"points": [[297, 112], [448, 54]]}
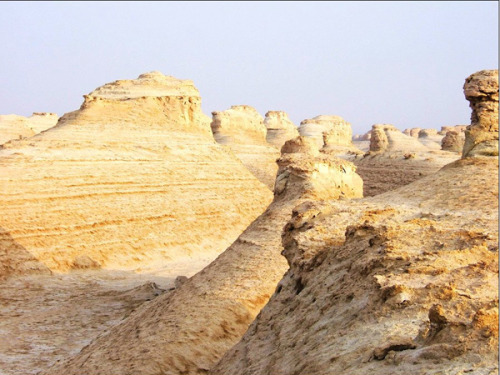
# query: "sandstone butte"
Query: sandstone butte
{"points": [[241, 128], [187, 330], [395, 159], [332, 129], [134, 177], [279, 128], [18, 127], [405, 282]]}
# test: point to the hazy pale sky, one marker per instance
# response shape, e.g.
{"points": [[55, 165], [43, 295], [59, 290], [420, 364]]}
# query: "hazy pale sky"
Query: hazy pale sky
{"points": [[402, 63]]}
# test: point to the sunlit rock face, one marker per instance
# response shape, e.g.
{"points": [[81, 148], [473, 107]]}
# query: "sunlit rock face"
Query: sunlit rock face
{"points": [[188, 330], [279, 128], [132, 177], [412, 132], [241, 128], [453, 141], [481, 137], [337, 130], [405, 282]]}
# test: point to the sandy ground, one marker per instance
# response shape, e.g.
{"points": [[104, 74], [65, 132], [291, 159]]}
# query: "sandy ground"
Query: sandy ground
{"points": [[45, 318]]}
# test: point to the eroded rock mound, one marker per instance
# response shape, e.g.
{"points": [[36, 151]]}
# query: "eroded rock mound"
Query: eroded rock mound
{"points": [[337, 130], [279, 128], [405, 282], [14, 127], [481, 90], [401, 283], [430, 138], [242, 129], [412, 132], [453, 141], [188, 330], [386, 137], [132, 177]]}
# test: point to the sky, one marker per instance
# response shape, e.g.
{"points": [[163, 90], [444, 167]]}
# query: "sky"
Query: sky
{"points": [[402, 63]]}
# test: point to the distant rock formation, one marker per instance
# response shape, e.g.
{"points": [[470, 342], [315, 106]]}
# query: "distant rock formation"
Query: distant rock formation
{"points": [[13, 127], [242, 129], [456, 128], [413, 132], [189, 329], [337, 130], [279, 128], [453, 141], [132, 177], [402, 283], [430, 138], [481, 137], [386, 137]]}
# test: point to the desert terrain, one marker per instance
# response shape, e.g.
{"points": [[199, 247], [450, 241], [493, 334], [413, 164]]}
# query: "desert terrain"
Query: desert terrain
{"points": [[140, 236]]}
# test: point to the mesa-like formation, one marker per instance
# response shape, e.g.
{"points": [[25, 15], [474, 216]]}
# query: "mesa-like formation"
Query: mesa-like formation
{"points": [[335, 129], [189, 329], [481, 90], [14, 127], [279, 128], [132, 177], [402, 283], [242, 129]]}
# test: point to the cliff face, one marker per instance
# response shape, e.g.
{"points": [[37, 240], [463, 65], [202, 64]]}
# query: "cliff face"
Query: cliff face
{"points": [[241, 128], [189, 329], [279, 128], [133, 176], [401, 283]]}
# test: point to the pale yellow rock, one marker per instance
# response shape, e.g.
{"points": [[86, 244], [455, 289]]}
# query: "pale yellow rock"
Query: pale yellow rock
{"points": [[14, 127], [188, 330], [481, 137], [241, 128], [279, 128], [338, 131], [132, 179]]}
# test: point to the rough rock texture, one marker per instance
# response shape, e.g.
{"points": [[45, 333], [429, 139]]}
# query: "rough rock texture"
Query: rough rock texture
{"points": [[430, 138], [481, 137], [338, 131], [401, 283], [453, 141], [279, 128], [132, 177], [455, 128], [413, 132], [14, 127], [242, 129], [188, 330]]}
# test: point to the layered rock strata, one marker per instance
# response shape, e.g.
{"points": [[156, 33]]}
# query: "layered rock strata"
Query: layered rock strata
{"points": [[336, 130], [132, 177], [279, 128], [481, 90], [188, 330], [241, 128]]}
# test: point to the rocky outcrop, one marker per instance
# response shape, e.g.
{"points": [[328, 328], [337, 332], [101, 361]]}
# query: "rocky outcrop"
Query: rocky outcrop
{"points": [[412, 132], [456, 128], [336, 130], [430, 138], [401, 283], [279, 128], [241, 128], [188, 330], [481, 137], [131, 179], [404, 282], [453, 141], [14, 127], [386, 137]]}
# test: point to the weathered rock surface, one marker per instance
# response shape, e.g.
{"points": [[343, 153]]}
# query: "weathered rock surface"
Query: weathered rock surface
{"points": [[242, 129], [279, 128], [14, 127], [189, 329], [430, 138], [455, 128], [386, 137], [401, 283], [412, 132], [132, 177], [453, 141], [481, 90], [337, 130]]}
